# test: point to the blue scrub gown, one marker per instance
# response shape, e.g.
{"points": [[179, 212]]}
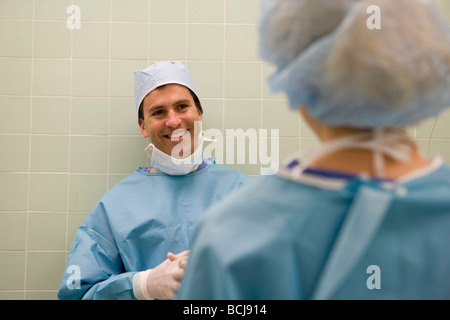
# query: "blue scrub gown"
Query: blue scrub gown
{"points": [[135, 225], [325, 237]]}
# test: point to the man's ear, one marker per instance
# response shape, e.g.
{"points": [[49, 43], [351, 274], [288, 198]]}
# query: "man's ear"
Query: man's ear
{"points": [[143, 129]]}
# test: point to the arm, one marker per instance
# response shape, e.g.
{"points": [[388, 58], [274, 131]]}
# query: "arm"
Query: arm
{"points": [[94, 265], [94, 270]]}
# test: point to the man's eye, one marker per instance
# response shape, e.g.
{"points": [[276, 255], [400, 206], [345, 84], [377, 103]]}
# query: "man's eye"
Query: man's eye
{"points": [[157, 113]]}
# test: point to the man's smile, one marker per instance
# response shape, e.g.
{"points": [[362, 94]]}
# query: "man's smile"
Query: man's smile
{"points": [[176, 134]]}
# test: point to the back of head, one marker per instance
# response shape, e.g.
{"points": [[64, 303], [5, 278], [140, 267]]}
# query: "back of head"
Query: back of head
{"points": [[406, 61], [351, 75], [288, 27]]}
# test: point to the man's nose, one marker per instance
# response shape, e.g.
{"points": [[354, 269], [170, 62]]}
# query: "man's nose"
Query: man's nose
{"points": [[173, 119]]}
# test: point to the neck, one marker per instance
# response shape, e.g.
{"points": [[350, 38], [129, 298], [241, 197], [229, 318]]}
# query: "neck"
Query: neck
{"points": [[357, 161]]}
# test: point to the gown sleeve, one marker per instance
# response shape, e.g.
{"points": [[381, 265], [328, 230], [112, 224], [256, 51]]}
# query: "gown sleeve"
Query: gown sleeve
{"points": [[94, 267]]}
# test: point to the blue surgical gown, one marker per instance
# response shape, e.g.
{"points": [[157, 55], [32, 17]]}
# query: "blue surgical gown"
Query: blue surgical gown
{"points": [[135, 225], [326, 238]]}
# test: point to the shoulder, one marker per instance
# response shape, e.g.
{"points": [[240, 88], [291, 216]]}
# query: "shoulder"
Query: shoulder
{"points": [[435, 177], [242, 218], [143, 179], [127, 192], [259, 199], [213, 166], [225, 174], [266, 205], [444, 171]]}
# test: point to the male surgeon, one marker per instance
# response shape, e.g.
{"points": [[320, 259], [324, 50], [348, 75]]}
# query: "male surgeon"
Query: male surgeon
{"points": [[135, 242]]}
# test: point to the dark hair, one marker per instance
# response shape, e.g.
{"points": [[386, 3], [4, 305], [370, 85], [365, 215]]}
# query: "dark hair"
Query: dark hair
{"points": [[194, 96]]}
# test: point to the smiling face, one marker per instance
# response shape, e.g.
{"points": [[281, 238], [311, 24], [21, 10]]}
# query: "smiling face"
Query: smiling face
{"points": [[166, 109]]}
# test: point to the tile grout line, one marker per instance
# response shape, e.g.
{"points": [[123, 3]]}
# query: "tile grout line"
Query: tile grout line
{"points": [[224, 63], [109, 97], [69, 142], [149, 11], [29, 152]]}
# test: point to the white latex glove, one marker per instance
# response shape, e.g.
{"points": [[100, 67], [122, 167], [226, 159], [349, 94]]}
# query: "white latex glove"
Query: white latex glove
{"points": [[161, 282]]}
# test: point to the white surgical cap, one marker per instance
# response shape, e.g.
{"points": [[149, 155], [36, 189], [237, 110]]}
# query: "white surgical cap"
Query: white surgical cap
{"points": [[159, 74], [349, 74]]}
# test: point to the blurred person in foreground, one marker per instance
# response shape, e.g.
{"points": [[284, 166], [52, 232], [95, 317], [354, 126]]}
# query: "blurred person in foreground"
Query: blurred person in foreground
{"points": [[364, 215]]}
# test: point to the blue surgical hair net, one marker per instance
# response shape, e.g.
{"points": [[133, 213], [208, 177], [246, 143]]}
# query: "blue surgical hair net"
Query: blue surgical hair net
{"points": [[348, 74], [159, 74]]}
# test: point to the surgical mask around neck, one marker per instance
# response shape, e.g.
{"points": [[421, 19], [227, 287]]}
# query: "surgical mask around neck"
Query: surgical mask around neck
{"points": [[175, 166], [394, 143]]}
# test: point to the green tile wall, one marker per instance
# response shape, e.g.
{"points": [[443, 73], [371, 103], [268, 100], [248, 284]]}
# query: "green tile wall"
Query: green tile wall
{"points": [[67, 114]]}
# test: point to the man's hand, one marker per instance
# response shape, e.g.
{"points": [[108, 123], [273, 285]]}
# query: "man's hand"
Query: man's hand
{"points": [[163, 280]]}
